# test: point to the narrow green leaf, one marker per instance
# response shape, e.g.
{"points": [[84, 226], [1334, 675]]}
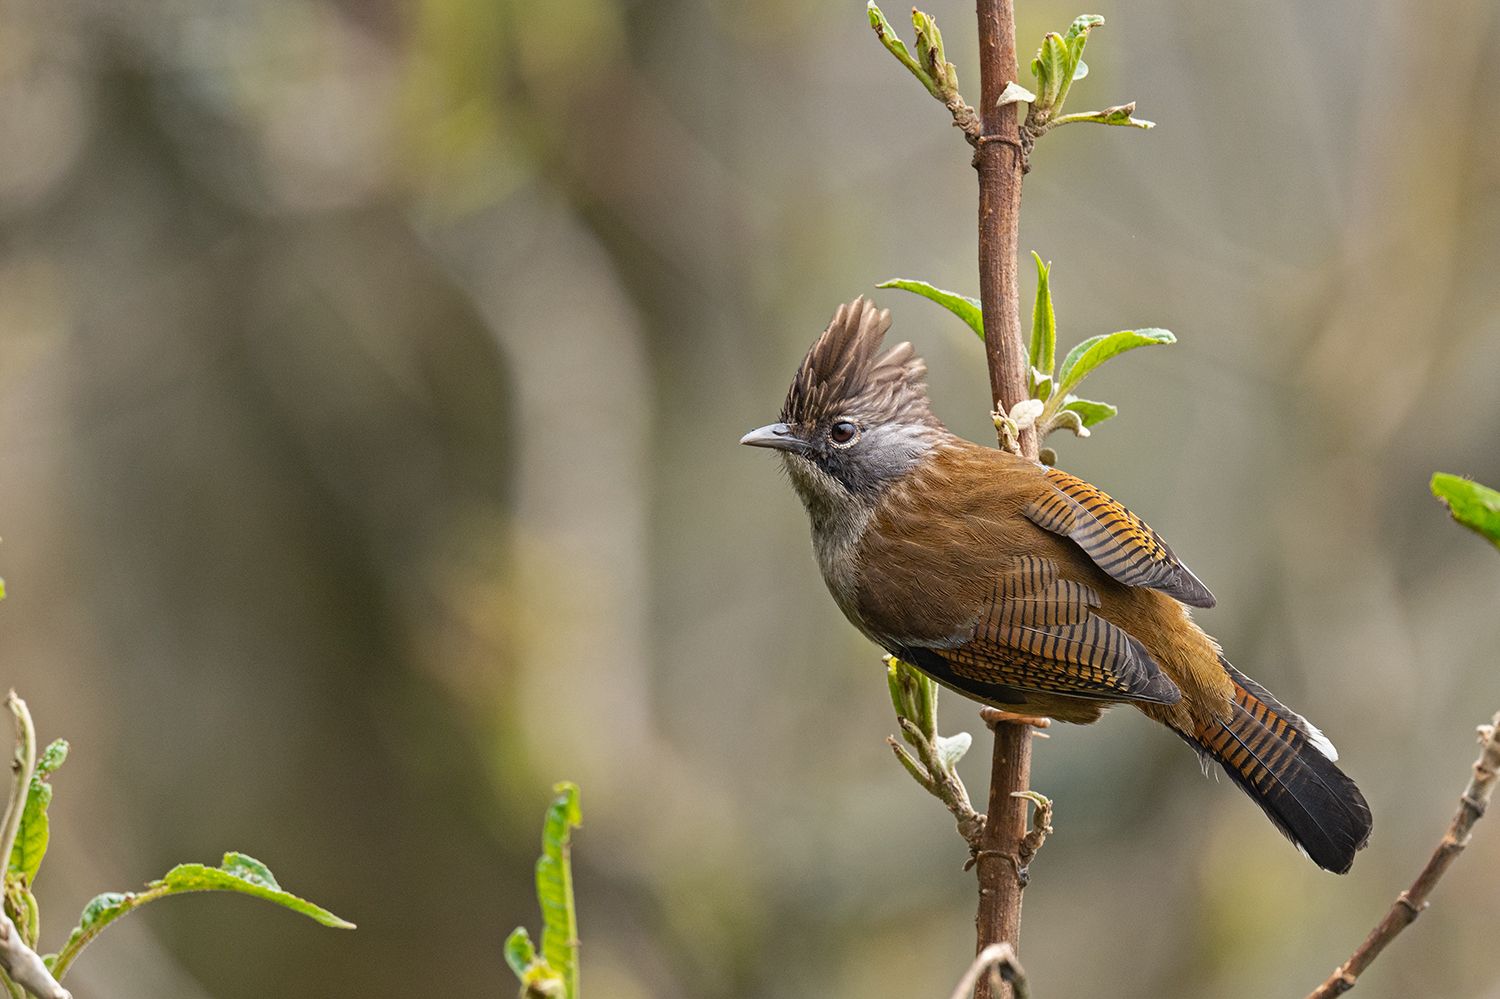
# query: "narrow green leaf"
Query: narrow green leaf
{"points": [[961, 306], [100, 912], [519, 952], [1043, 323], [1094, 351], [1054, 57], [1474, 506], [247, 876], [34, 831], [1089, 411], [554, 886]]}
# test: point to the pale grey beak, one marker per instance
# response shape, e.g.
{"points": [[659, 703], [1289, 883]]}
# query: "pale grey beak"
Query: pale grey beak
{"points": [[777, 435]]}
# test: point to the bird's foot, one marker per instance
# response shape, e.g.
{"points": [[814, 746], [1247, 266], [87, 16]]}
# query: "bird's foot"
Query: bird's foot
{"points": [[998, 716]]}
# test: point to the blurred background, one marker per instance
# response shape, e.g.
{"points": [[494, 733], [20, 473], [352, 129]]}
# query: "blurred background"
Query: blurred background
{"points": [[370, 377]]}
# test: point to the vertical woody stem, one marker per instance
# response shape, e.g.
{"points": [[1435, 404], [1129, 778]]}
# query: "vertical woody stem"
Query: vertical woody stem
{"points": [[1000, 160]]}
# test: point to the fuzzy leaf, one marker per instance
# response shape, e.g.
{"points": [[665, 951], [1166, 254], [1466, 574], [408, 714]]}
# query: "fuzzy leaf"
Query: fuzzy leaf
{"points": [[1014, 93], [1041, 385], [1056, 69], [1067, 419], [1043, 322], [897, 48], [951, 748], [1089, 411], [961, 306], [1474, 506], [1094, 351]]}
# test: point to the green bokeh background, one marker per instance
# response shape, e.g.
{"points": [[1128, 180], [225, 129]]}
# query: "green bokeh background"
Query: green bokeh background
{"points": [[369, 381]]}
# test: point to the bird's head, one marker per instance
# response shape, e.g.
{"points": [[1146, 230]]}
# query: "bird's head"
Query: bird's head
{"points": [[855, 419]]}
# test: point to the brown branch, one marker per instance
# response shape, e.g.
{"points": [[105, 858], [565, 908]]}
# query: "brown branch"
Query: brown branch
{"points": [[1000, 159], [1410, 903]]}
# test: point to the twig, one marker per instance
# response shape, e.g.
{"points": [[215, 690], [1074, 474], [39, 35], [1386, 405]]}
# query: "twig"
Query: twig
{"points": [[1410, 903], [997, 961], [1001, 162], [940, 782], [22, 765], [22, 966]]}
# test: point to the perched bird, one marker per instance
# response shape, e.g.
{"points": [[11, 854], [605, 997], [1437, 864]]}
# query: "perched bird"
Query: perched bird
{"points": [[1025, 587]]}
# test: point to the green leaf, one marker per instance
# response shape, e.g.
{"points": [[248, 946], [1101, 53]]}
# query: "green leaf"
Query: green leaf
{"points": [[961, 306], [238, 873], [554, 886], [1094, 351], [1474, 506], [35, 830], [1089, 411], [1043, 323], [2, 589], [519, 952], [248, 876], [1057, 70], [897, 48]]}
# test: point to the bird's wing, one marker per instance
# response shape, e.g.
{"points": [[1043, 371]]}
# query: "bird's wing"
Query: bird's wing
{"points": [[1039, 632], [1117, 540]]}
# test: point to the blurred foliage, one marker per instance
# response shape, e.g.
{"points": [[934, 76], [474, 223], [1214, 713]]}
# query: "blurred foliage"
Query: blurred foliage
{"points": [[1472, 505], [552, 971], [369, 381]]}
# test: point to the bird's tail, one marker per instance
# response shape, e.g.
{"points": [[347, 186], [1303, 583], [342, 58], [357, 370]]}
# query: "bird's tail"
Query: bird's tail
{"points": [[1287, 766]]}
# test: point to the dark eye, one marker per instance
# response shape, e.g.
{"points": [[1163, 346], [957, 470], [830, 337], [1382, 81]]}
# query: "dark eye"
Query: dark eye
{"points": [[843, 432]]}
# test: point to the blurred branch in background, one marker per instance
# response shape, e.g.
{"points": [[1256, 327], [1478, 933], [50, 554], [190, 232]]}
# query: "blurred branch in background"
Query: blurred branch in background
{"points": [[1476, 507]]}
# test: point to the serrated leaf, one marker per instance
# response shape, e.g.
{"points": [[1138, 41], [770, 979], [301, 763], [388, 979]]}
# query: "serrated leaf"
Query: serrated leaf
{"points": [[1089, 411], [554, 886], [961, 306], [247, 876], [1094, 351], [1043, 322], [1474, 506]]}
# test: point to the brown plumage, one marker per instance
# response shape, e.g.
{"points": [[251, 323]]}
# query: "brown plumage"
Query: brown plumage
{"points": [[1025, 587]]}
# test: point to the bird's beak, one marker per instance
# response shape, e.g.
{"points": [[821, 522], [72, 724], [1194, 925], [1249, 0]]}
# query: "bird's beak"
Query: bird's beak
{"points": [[777, 435]]}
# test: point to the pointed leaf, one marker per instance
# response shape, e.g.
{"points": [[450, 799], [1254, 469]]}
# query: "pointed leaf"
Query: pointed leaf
{"points": [[1094, 351], [247, 876], [1089, 411], [1067, 419], [1043, 322], [961, 306], [1475, 506], [897, 48]]}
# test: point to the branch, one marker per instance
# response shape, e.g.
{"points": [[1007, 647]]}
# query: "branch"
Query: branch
{"points": [[914, 696], [1410, 903], [999, 960], [21, 964], [1000, 158]]}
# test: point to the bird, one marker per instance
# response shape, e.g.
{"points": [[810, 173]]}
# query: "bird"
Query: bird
{"points": [[1026, 588]]}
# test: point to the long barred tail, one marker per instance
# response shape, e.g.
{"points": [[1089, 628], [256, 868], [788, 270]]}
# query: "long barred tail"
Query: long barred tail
{"points": [[1287, 766]]}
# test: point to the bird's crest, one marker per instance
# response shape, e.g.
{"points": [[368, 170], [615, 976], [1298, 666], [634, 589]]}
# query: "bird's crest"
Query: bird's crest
{"points": [[844, 373]]}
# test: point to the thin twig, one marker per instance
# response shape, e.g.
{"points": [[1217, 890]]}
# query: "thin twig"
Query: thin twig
{"points": [[1410, 903], [940, 782], [995, 961], [22, 966]]}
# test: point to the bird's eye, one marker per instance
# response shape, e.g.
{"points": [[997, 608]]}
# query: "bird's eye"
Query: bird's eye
{"points": [[843, 432]]}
